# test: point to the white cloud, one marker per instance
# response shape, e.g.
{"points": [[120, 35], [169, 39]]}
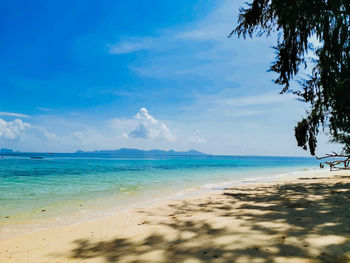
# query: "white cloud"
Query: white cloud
{"points": [[143, 115], [13, 114], [131, 45], [150, 128], [12, 129], [45, 132], [21, 135], [141, 131], [195, 138], [166, 133]]}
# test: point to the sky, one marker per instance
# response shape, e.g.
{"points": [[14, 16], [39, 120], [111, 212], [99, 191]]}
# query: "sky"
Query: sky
{"points": [[91, 75]]}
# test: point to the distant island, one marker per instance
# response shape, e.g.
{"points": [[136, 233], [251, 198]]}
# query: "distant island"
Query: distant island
{"points": [[5, 150], [122, 151], [128, 151]]}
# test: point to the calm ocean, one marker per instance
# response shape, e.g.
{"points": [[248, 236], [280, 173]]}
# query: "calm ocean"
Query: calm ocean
{"points": [[63, 186]]}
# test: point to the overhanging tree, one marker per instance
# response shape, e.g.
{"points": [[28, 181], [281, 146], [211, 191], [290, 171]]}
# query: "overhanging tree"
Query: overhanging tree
{"points": [[327, 89]]}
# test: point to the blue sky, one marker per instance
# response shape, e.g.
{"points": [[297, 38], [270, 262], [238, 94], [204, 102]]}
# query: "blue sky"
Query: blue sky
{"points": [[163, 74]]}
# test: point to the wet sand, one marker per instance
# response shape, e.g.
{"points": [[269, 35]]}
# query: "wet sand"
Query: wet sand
{"points": [[294, 220]]}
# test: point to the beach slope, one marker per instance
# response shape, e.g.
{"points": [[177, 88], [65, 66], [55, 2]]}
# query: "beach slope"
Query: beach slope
{"points": [[301, 220]]}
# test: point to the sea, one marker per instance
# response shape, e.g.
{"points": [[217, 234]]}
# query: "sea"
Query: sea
{"points": [[58, 189]]}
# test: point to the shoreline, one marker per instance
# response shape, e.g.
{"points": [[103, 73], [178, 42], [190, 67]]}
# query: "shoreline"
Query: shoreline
{"points": [[245, 222], [18, 228]]}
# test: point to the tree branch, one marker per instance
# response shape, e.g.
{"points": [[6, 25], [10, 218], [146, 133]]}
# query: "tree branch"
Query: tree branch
{"points": [[334, 155]]}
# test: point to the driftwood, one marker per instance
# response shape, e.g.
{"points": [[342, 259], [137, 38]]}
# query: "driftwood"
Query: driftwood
{"points": [[333, 164]]}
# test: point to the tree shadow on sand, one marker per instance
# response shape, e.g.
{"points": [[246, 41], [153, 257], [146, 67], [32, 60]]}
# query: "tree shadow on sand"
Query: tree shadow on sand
{"points": [[299, 222]]}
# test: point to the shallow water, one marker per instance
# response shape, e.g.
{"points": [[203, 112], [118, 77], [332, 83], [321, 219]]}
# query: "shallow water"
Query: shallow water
{"points": [[67, 186]]}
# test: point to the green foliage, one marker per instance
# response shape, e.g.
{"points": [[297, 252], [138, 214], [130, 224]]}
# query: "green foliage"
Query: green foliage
{"points": [[327, 89]]}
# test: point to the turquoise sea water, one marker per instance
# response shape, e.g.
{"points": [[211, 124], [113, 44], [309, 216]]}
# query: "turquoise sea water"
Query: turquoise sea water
{"points": [[62, 185]]}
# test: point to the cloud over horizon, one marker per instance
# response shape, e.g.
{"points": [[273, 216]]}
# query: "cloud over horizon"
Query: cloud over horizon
{"points": [[13, 129], [150, 128], [195, 138]]}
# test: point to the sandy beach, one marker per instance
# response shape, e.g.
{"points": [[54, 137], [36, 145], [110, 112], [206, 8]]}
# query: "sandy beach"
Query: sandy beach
{"points": [[304, 219]]}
